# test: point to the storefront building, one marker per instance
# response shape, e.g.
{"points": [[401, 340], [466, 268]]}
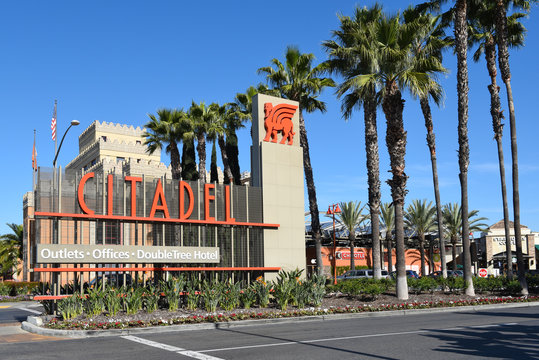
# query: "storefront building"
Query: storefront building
{"points": [[116, 210], [492, 248]]}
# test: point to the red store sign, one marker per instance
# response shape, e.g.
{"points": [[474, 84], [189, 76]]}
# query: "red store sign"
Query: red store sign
{"points": [[345, 255]]}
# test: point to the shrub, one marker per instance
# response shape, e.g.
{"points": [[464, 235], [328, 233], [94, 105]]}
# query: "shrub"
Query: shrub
{"points": [[113, 301], [4, 289], [317, 289], [192, 295], [132, 300], [454, 283], [230, 297], [70, 307], [422, 284], [283, 288], [248, 296], [211, 295], [512, 286], [262, 292], [172, 290], [151, 298], [94, 304]]}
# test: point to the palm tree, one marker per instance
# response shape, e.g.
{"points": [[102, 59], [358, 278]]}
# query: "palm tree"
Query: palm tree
{"points": [[458, 15], [201, 117], [351, 217], [452, 218], [483, 33], [400, 68], [387, 216], [503, 61], [189, 163], [166, 130], [432, 45], [11, 250], [298, 80], [420, 218], [353, 57], [218, 131]]}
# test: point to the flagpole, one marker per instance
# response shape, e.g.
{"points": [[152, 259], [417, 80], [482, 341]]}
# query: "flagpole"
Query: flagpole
{"points": [[55, 137], [34, 165]]}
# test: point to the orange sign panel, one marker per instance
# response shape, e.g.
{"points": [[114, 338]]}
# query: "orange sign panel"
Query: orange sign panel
{"points": [[278, 119]]}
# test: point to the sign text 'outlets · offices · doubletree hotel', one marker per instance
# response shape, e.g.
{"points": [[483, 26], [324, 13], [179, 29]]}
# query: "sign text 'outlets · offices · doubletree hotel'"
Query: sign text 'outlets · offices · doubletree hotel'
{"points": [[118, 216]]}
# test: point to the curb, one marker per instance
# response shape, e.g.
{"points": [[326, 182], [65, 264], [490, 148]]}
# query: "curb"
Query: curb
{"points": [[33, 322]]}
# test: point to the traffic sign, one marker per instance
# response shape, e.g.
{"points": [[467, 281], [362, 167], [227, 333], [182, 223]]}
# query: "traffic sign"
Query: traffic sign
{"points": [[483, 272]]}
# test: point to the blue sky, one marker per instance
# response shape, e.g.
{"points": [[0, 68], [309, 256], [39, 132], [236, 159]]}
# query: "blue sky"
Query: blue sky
{"points": [[118, 61]]}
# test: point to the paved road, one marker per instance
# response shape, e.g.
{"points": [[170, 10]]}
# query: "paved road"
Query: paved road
{"points": [[508, 333], [11, 316]]}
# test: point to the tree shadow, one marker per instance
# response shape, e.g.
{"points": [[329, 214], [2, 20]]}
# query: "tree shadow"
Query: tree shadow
{"points": [[492, 342], [307, 343]]}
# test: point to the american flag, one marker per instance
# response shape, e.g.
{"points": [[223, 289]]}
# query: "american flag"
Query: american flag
{"points": [[53, 127], [34, 154], [53, 123]]}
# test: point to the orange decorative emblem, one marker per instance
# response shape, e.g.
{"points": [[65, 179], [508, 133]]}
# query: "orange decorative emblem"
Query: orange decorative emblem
{"points": [[279, 119]]}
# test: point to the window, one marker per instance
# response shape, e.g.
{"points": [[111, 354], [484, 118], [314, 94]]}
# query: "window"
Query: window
{"points": [[104, 138], [120, 159], [138, 142], [94, 161]]}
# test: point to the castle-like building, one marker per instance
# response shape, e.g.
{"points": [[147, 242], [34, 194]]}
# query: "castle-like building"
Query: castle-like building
{"points": [[108, 147]]}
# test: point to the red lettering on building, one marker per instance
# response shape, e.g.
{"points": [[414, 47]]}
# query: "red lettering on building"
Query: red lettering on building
{"points": [[159, 196], [133, 180], [80, 194], [228, 218], [158, 204], [184, 186], [110, 193], [207, 198], [278, 119]]}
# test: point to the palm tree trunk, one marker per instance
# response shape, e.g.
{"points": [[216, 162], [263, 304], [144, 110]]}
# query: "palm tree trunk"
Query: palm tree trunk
{"points": [[311, 191], [497, 126], [431, 142], [393, 106], [503, 60], [431, 257], [224, 157], [461, 49], [373, 178], [422, 253], [175, 161], [352, 238], [454, 252], [201, 150], [233, 155], [389, 252]]}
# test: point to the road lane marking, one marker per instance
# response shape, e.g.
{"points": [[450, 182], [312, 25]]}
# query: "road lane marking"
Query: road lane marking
{"points": [[4, 306], [316, 340], [153, 343], [30, 310], [181, 351]]}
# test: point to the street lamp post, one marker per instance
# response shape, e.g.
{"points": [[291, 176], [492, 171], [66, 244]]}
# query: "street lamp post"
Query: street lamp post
{"points": [[332, 210], [56, 196]]}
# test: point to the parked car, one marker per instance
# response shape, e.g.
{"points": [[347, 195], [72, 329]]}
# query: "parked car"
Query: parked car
{"points": [[359, 274], [114, 279], [455, 273], [409, 273]]}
